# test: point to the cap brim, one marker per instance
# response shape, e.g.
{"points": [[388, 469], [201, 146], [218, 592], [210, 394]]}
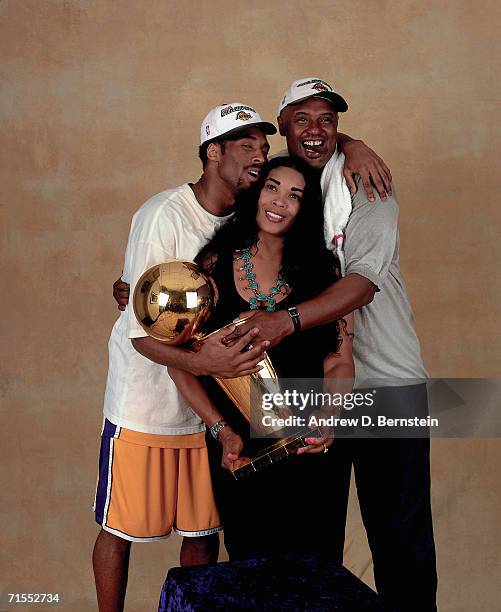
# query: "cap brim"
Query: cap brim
{"points": [[267, 128], [338, 102]]}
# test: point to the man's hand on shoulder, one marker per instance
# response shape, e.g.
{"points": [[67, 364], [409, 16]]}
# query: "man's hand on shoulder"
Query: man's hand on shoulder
{"points": [[121, 292], [361, 159]]}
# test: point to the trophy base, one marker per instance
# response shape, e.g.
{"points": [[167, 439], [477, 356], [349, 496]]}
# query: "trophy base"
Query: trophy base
{"points": [[282, 449]]}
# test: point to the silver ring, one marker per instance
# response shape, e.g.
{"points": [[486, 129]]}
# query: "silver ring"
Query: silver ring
{"points": [[250, 346], [326, 450]]}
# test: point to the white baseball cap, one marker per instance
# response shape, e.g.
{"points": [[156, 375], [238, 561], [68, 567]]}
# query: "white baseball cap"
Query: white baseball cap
{"points": [[311, 87], [229, 118]]}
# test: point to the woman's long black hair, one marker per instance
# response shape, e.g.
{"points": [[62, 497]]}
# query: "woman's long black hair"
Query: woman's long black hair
{"points": [[307, 266]]}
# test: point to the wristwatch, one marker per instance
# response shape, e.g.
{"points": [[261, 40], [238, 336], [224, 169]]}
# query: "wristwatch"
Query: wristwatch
{"points": [[216, 429], [294, 315]]}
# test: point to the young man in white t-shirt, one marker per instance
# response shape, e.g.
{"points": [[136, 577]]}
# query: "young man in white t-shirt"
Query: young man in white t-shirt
{"points": [[154, 473]]}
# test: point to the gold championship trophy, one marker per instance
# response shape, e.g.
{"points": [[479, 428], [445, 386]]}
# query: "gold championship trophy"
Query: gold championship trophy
{"points": [[171, 302]]}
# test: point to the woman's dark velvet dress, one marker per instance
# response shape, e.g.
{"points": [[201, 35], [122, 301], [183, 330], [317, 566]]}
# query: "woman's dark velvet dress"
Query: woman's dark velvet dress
{"points": [[299, 504]]}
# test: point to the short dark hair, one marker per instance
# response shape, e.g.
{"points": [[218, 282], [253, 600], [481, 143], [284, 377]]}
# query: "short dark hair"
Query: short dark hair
{"points": [[202, 149]]}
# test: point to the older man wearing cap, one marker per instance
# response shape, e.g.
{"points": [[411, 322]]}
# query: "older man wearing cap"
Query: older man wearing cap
{"points": [[153, 468], [392, 476]]}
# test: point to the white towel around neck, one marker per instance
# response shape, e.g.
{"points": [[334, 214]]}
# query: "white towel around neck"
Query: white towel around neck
{"points": [[337, 205]]}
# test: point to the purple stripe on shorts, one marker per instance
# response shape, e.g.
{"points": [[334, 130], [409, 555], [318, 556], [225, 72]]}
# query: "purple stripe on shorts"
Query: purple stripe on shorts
{"points": [[109, 429], [104, 462]]}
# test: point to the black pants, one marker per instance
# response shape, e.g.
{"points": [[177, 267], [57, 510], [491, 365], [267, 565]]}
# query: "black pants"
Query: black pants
{"points": [[393, 487], [299, 506]]}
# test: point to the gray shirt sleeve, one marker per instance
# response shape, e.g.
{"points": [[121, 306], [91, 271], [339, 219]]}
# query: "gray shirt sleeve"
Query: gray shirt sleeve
{"points": [[371, 236]]}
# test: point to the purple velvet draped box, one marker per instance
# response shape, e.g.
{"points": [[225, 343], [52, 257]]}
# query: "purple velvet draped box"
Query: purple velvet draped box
{"points": [[290, 583]]}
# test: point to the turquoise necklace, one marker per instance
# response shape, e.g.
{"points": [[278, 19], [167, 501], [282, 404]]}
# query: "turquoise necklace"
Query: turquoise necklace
{"points": [[259, 299]]}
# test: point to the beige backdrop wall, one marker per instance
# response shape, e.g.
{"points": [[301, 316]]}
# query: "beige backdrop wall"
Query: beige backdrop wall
{"points": [[100, 106]]}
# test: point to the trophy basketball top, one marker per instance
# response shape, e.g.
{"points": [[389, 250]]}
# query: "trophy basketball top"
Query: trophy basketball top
{"points": [[172, 301]]}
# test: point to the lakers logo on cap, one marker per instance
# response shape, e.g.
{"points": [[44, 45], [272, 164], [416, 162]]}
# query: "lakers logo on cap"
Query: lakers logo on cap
{"points": [[243, 116], [319, 87]]}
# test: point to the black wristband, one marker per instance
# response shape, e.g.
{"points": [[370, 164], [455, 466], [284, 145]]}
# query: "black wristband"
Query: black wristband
{"points": [[294, 315]]}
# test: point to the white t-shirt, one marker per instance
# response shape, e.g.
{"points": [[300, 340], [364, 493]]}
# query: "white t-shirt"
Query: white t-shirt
{"points": [[140, 395]]}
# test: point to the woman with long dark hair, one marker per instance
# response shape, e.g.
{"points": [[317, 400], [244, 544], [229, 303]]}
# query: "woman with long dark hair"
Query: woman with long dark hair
{"points": [[271, 255]]}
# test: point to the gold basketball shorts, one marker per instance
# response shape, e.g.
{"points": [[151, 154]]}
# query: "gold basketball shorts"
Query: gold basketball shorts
{"points": [[150, 484]]}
